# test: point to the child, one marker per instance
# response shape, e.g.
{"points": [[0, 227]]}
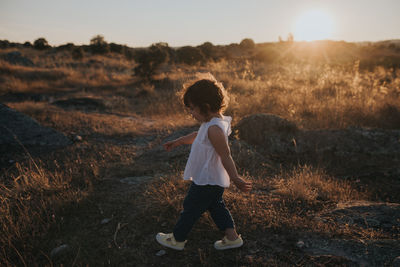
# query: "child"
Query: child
{"points": [[210, 166]]}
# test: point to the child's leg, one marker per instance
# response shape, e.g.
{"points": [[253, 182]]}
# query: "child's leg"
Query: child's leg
{"points": [[222, 217], [196, 202]]}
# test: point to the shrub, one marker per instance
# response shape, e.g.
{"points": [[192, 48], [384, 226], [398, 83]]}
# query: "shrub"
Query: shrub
{"points": [[150, 59], [116, 48], [190, 55], [40, 44], [77, 53], [247, 44], [98, 45], [208, 50], [4, 43], [27, 44], [68, 46], [310, 185]]}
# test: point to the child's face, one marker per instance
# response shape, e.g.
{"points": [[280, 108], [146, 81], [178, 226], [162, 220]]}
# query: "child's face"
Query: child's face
{"points": [[196, 113]]}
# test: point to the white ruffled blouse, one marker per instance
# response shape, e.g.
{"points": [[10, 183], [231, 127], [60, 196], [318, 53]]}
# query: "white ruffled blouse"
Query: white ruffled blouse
{"points": [[204, 165]]}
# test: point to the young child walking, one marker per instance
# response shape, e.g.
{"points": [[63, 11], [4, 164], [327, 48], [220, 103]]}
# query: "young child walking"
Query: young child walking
{"points": [[210, 166]]}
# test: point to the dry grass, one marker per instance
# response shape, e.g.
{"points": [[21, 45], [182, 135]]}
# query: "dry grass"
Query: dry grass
{"points": [[40, 202], [308, 185], [271, 218], [30, 200]]}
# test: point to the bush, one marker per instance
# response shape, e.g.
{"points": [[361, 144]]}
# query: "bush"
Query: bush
{"points": [[27, 44], [247, 44], [41, 44], [68, 46], [190, 55], [98, 45], [77, 53], [116, 48], [150, 59], [4, 43]]}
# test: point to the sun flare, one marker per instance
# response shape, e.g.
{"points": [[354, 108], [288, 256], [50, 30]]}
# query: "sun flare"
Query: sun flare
{"points": [[313, 25]]}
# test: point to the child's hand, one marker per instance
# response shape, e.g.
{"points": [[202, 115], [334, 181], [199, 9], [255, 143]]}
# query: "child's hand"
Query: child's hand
{"points": [[242, 184], [170, 145]]}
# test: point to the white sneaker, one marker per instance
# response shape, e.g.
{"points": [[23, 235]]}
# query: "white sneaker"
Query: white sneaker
{"points": [[225, 243], [168, 240]]}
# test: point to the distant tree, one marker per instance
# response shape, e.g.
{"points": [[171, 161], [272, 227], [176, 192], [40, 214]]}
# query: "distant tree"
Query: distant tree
{"points": [[98, 45], [116, 48], [247, 44], [208, 50], [41, 43], [150, 59], [4, 43], [27, 44], [68, 46], [190, 55]]}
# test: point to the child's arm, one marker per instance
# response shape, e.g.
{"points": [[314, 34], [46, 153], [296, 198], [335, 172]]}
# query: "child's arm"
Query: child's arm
{"points": [[217, 139], [184, 140]]}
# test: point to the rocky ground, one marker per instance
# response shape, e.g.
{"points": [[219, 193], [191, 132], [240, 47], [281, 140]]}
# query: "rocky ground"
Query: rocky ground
{"points": [[97, 230]]}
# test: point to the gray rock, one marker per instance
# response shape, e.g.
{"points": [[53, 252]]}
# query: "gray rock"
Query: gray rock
{"points": [[58, 251], [300, 244], [106, 220], [135, 180], [364, 214], [161, 253], [358, 150], [17, 128], [268, 131], [16, 58]]}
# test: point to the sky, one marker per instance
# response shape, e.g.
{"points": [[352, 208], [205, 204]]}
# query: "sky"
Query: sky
{"points": [[185, 22]]}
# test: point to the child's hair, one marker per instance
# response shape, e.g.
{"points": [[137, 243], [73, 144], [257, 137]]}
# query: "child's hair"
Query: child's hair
{"points": [[206, 93]]}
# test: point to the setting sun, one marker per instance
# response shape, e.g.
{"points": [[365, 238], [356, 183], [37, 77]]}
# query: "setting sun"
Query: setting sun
{"points": [[313, 25]]}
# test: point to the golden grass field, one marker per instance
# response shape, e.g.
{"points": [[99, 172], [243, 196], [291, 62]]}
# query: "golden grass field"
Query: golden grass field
{"points": [[62, 196]]}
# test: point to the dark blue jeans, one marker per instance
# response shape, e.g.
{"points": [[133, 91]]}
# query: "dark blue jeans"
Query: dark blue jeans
{"points": [[199, 199]]}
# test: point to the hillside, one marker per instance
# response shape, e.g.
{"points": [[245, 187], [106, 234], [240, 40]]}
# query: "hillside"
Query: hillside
{"points": [[323, 156]]}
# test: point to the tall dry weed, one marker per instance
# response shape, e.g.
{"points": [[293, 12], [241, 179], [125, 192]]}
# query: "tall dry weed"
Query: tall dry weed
{"points": [[29, 201], [312, 184]]}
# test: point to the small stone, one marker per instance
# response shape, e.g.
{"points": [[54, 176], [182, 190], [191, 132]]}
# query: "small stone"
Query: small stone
{"points": [[253, 251], [135, 180], [161, 253], [106, 220], [59, 250], [78, 138], [300, 244]]}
